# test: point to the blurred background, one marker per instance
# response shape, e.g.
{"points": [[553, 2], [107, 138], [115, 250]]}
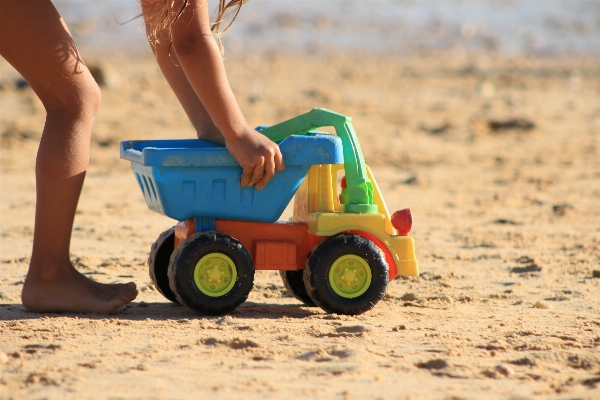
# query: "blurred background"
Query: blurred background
{"points": [[538, 27], [471, 111]]}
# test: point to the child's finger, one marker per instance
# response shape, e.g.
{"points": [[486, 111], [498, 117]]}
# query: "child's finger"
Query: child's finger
{"points": [[246, 175], [257, 173], [279, 164], [269, 173]]}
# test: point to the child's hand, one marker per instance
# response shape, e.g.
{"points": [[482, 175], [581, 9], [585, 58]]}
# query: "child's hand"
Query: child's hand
{"points": [[259, 157]]}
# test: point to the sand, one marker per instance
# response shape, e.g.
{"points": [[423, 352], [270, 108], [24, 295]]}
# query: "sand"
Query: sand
{"points": [[507, 234]]}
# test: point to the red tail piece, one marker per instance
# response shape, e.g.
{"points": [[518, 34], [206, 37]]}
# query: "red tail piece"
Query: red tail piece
{"points": [[402, 221]]}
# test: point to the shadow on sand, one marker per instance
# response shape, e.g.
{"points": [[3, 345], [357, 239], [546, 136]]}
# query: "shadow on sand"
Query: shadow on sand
{"points": [[140, 311]]}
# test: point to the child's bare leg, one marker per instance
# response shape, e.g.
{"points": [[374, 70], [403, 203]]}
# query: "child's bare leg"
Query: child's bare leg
{"points": [[36, 42]]}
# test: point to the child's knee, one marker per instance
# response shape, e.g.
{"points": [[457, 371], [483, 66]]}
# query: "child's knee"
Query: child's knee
{"points": [[92, 96], [88, 96], [80, 100]]}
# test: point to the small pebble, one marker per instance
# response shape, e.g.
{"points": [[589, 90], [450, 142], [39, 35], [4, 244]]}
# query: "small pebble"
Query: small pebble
{"points": [[542, 304], [399, 328], [21, 84], [447, 299], [3, 358], [98, 74], [411, 297], [505, 370], [596, 273], [433, 364], [3, 295]]}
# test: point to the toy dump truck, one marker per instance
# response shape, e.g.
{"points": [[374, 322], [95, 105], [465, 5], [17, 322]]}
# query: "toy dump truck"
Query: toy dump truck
{"points": [[339, 250]]}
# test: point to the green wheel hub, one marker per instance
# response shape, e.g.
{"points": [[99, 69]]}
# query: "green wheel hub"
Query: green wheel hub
{"points": [[350, 276], [215, 274]]}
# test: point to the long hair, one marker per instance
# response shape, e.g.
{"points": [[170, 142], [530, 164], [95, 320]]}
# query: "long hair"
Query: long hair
{"points": [[159, 14]]}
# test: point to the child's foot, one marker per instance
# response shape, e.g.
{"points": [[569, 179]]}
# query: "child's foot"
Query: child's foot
{"points": [[66, 290]]}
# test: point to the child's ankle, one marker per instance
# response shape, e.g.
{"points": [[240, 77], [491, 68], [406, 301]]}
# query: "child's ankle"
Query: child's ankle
{"points": [[49, 270]]}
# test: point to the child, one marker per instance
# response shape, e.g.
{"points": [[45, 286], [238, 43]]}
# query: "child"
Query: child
{"points": [[37, 43]]}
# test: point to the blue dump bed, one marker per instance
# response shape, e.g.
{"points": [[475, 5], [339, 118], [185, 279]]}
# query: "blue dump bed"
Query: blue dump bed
{"points": [[184, 178]]}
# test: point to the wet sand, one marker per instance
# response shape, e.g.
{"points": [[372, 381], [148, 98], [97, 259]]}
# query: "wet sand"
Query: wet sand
{"points": [[498, 159]]}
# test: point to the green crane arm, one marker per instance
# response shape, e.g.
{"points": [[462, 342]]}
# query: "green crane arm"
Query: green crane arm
{"points": [[360, 188]]}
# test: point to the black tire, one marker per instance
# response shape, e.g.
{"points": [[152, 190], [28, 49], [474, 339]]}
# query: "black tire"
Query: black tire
{"points": [[322, 258], [294, 284], [158, 263], [185, 260]]}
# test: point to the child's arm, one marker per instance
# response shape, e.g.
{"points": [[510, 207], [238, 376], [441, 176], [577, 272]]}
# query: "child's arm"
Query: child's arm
{"points": [[194, 68]]}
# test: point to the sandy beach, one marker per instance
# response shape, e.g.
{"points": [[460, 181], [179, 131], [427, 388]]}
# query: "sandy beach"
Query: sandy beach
{"points": [[498, 158]]}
